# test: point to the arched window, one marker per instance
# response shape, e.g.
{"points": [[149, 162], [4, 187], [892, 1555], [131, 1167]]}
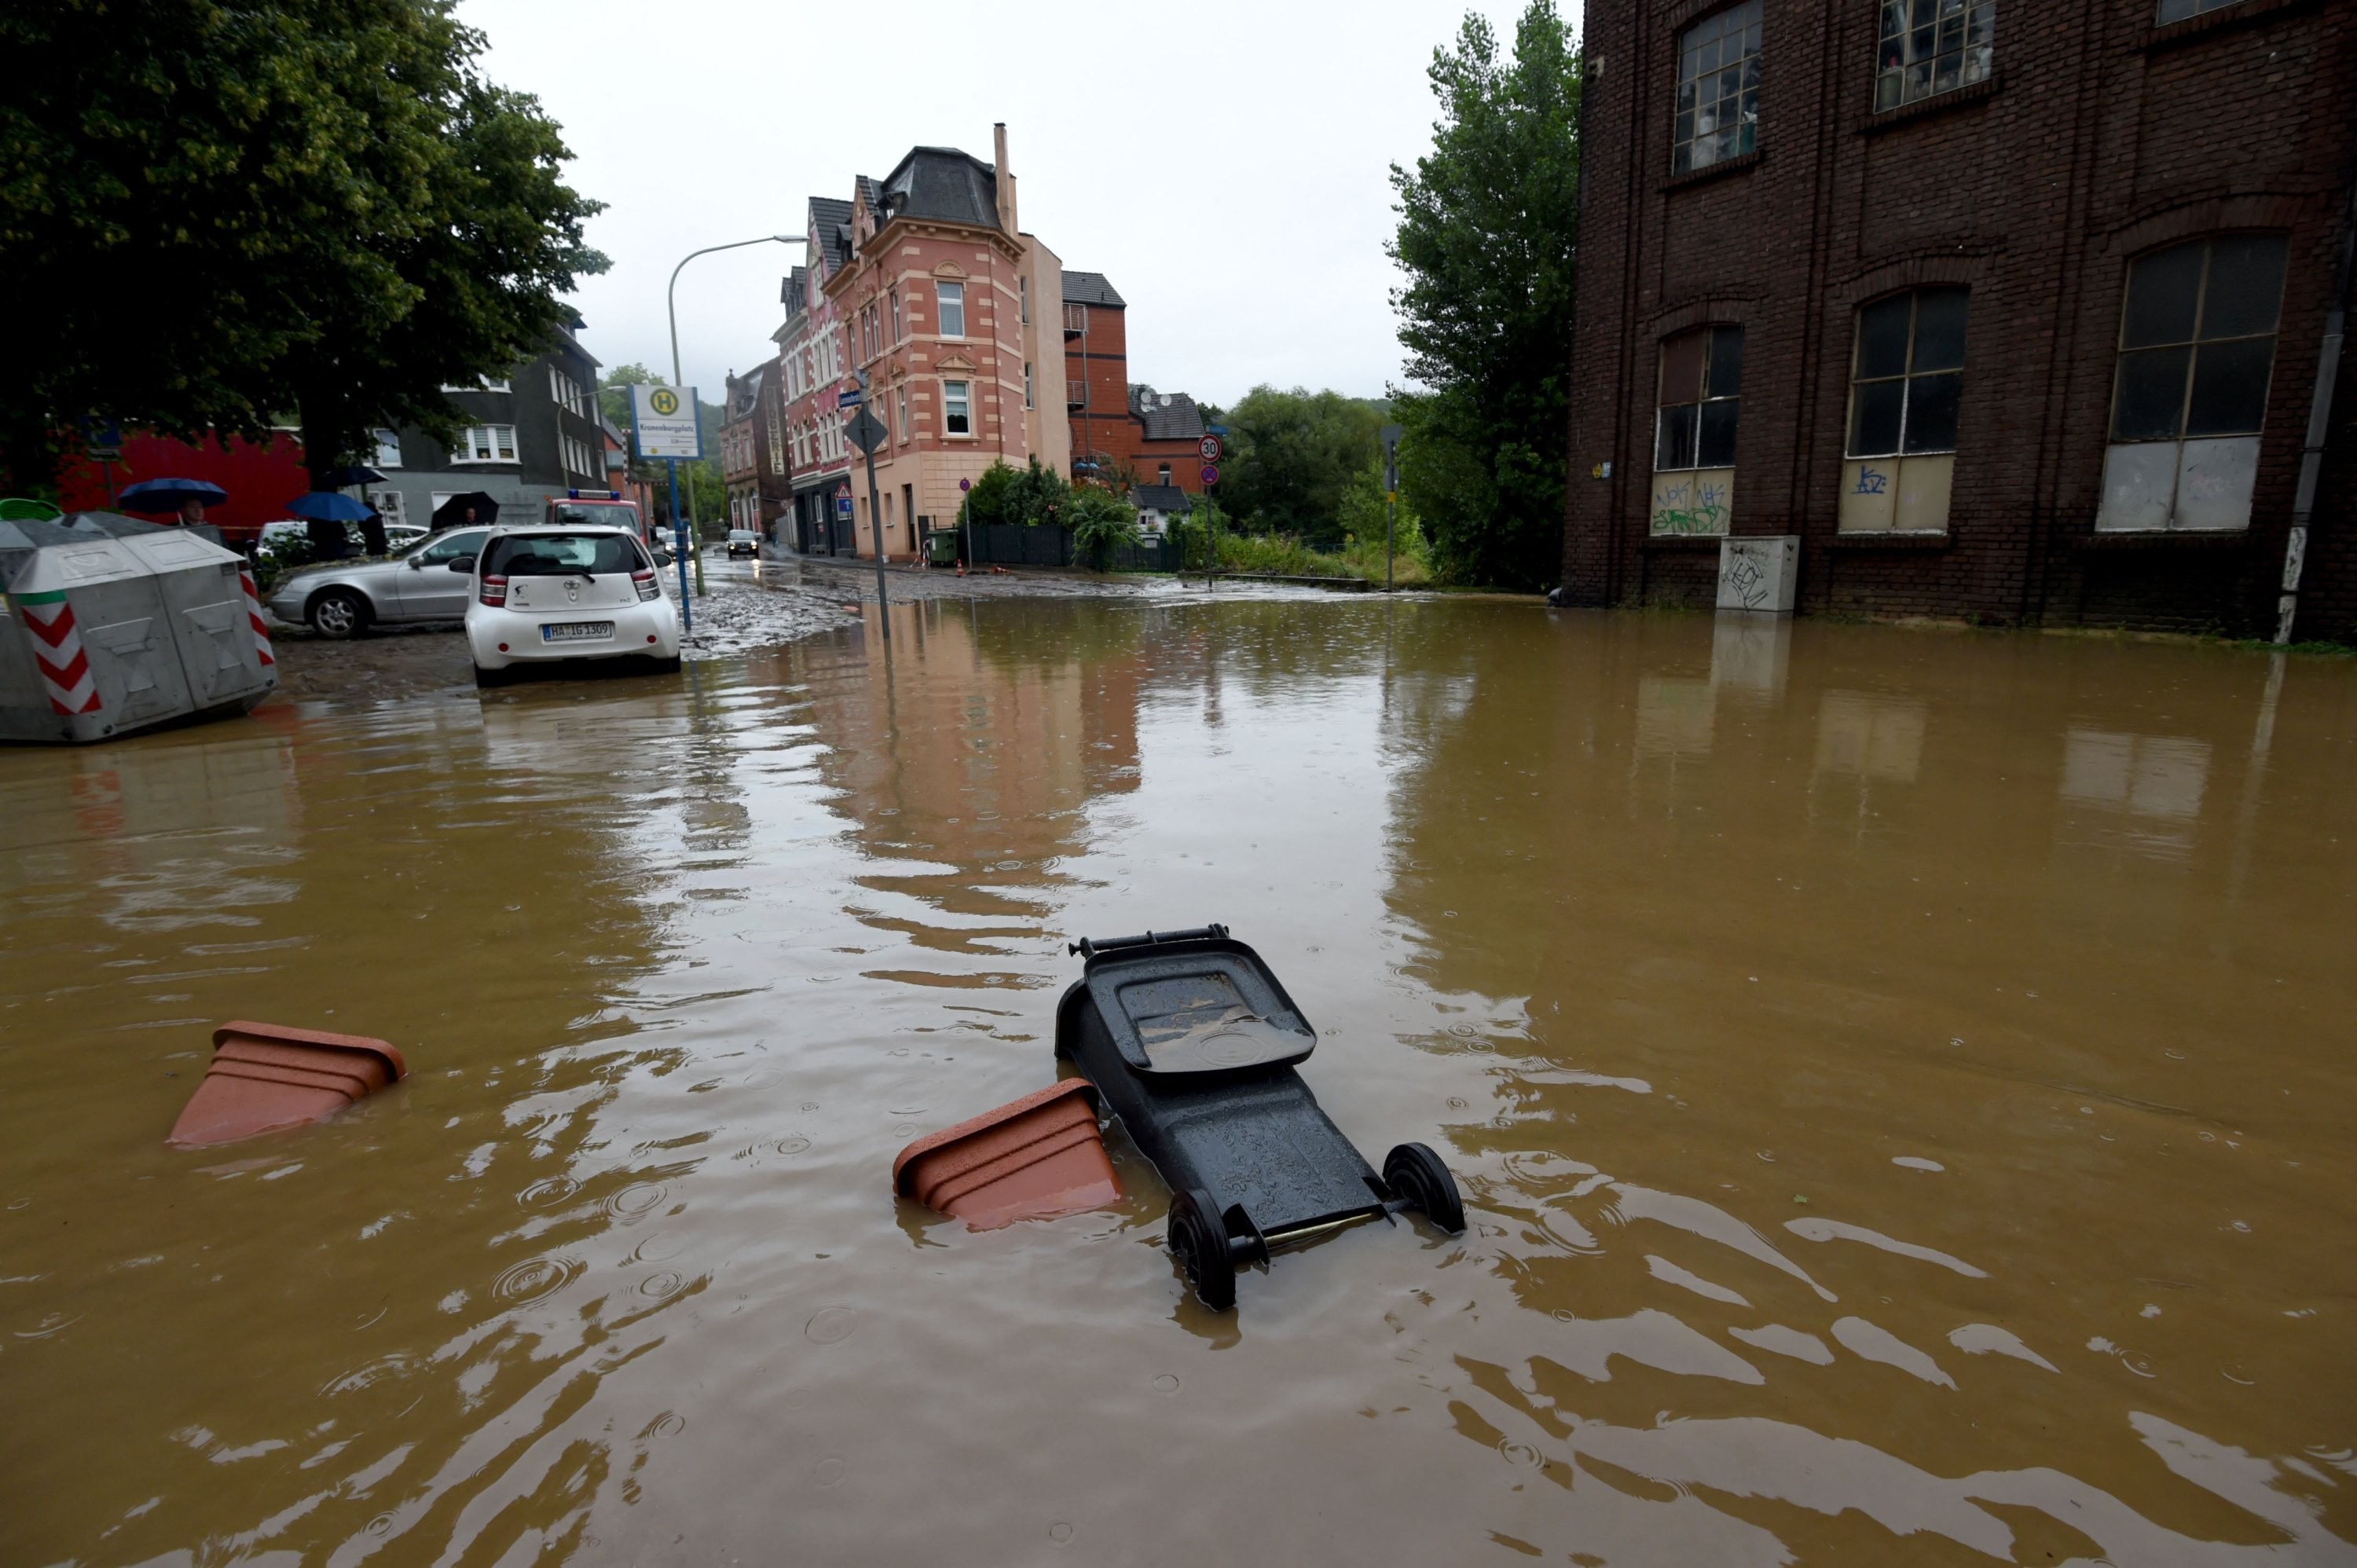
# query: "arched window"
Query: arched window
{"points": [[1905, 389], [2197, 348], [1697, 411]]}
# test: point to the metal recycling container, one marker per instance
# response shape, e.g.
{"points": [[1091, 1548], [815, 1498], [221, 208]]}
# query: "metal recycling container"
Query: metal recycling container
{"points": [[114, 626]]}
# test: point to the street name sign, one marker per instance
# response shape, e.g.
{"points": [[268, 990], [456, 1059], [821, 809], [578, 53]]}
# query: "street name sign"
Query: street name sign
{"points": [[664, 420]]}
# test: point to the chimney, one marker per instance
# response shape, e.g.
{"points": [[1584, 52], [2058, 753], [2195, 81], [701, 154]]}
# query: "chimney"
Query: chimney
{"points": [[1003, 178]]}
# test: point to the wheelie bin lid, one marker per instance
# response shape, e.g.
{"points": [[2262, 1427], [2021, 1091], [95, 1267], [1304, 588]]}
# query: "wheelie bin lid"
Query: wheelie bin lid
{"points": [[1193, 1002]]}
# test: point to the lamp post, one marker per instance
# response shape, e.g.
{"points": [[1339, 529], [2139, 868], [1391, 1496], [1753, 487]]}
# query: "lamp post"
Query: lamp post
{"points": [[670, 302]]}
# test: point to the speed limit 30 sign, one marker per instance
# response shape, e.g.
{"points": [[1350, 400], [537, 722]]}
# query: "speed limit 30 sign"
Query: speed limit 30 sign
{"points": [[1210, 448]]}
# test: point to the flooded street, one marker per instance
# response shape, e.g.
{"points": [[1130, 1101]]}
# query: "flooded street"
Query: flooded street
{"points": [[1901, 1084]]}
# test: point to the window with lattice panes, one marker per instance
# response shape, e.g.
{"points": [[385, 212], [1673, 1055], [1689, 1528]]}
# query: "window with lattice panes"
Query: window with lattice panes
{"points": [[2197, 348], [1697, 410], [1906, 392], [1719, 89], [1931, 46]]}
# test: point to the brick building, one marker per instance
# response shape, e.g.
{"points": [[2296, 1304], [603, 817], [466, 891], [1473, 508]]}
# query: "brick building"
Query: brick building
{"points": [[753, 450], [1118, 424], [811, 366], [2019, 315], [941, 299]]}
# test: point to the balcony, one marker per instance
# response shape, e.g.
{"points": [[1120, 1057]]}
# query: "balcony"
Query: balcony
{"points": [[1076, 395], [1076, 320]]}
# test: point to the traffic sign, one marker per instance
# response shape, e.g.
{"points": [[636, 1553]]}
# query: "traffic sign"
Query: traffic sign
{"points": [[1210, 474], [1210, 448], [1391, 437], [664, 420], [965, 484], [867, 431], [842, 504]]}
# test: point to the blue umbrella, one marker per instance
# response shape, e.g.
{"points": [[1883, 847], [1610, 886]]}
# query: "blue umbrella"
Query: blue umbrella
{"points": [[165, 495], [327, 506]]}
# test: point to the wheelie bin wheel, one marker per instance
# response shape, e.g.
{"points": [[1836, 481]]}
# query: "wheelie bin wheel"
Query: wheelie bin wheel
{"points": [[1415, 1173], [1200, 1242]]}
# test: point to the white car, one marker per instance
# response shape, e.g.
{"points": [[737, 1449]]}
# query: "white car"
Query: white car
{"points": [[559, 593]]}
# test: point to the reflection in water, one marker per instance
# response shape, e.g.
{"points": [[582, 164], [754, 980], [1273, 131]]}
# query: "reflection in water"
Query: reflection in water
{"points": [[1965, 1188]]}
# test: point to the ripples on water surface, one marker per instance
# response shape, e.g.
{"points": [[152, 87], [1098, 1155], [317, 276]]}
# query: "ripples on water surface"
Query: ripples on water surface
{"points": [[1901, 1084]]}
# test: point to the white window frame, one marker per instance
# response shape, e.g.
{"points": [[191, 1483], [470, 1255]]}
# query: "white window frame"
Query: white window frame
{"points": [[949, 296], [463, 456], [388, 442], [957, 402]]}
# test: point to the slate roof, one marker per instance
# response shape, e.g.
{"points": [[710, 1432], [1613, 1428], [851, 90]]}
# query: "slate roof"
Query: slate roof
{"points": [[831, 219], [1161, 497], [939, 183], [1167, 416], [748, 390], [1091, 288], [790, 289]]}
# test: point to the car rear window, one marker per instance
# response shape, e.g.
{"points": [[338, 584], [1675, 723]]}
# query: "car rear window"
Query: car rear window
{"points": [[562, 554]]}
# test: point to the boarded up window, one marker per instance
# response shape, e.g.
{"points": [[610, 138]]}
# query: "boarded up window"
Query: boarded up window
{"points": [[2196, 351], [1906, 392], [1698, 408]]}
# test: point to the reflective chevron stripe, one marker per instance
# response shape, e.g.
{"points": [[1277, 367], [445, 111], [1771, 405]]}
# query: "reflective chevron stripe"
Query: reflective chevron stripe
{"points": [[57, 652], [253, 617]]}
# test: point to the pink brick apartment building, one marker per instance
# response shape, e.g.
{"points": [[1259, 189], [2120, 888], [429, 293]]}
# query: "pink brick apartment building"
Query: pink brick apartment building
{"points": [[812, 368], [931, 287]]}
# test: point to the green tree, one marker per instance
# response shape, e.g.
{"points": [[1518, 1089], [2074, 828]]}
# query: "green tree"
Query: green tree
{"points": [[1291, 455], [987, 502], [1488, 237], [232, 212]]}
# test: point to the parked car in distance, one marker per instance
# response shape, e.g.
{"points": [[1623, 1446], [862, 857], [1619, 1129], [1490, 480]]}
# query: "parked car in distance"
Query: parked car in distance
{"points": [[344, 598], [743, 541], [276, 536], [562, 594]]}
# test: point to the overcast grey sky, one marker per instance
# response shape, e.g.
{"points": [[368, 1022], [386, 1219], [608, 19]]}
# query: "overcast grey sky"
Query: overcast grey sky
{"points": [[1224, 163]]}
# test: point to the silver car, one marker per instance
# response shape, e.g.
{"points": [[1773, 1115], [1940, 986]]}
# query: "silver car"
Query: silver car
{"points": [[344, 598]]}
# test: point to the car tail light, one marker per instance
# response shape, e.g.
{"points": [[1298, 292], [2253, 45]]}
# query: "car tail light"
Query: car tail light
{"points": [[646, 584], [495, 592]]}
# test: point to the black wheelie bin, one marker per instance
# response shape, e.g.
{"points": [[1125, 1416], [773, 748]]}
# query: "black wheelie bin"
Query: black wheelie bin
{"points": [[1191, 1040]]}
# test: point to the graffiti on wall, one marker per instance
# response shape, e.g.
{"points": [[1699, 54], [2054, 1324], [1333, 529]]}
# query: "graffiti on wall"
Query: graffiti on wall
{"points": [[1695, 502]]}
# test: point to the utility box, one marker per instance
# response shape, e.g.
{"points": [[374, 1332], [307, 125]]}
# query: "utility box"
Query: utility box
{"points": [[1758, 574], [114, 626]]}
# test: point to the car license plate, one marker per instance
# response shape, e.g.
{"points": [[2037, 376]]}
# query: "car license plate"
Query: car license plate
{"points": [[577, 630]]}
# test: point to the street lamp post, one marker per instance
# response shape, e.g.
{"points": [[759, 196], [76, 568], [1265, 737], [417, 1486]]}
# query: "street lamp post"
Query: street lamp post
{"points": [[670, 302]]}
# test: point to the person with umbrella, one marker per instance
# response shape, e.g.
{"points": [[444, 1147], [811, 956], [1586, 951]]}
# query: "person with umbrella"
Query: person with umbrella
{"points": [[326, 511], [188, 498], [351, 476]]}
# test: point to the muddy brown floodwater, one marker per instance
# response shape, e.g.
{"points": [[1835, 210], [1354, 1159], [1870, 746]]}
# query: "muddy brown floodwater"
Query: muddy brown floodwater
{"points": [[1903, 1085]]}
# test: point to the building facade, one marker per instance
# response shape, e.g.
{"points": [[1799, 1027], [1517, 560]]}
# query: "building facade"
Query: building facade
{"points": [[1123, 432], [536, 435], [939, 303], [753, 462], [812, 365], [2023, 314]]}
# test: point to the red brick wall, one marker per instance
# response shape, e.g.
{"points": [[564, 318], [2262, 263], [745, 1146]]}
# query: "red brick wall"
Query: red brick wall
{"points": [[2100, 137], [1108, 427]]}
